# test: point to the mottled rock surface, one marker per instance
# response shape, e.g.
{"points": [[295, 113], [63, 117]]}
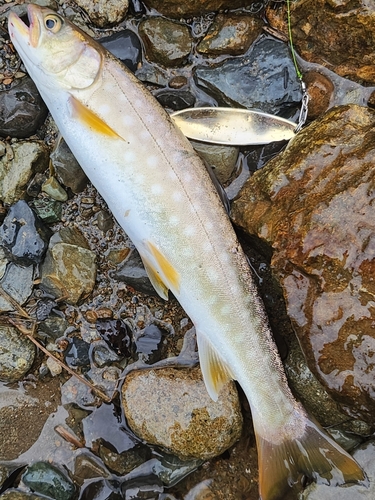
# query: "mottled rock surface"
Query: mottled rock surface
{"points": [[337, 34], [177, 9], [16, 354], [170, 407], [104, 13], [314, 205]]}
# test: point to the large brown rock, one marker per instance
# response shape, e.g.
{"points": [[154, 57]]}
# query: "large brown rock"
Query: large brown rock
{"points": [[314, 204], [337, 34]]}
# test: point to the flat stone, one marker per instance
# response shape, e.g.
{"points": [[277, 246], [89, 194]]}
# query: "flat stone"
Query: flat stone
{"points": [[171, 408], [17, 354], [18, 282]]}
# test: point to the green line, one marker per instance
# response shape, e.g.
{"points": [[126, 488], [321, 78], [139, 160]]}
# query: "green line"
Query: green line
{"points": [[299, 74]]}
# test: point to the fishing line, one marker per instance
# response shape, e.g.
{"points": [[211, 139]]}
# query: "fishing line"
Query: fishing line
{"points": [[305, 97]]}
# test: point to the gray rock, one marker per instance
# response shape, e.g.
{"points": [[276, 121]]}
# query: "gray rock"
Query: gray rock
{"points": [[104, 13], [22, 110], [27, 159], [170, 407], [222, 159], [69, 269], [167, 42], [67, 168], [48, 480], [17, 282], [254, 80], [16, 354], [133, 273], [126, 46]]}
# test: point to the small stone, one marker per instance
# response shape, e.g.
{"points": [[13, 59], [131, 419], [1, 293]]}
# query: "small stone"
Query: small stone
{"points": [[230, 34], [22, 110], [133, 273], [320, 89], [28, 158], [126, 46], [53, 366], [47, 479], [177, 82], [54, 189], [105, 13], [118, 255], [104, 220], [148, 344], [117, 334], [175, 100], [17, 354], [171, 408], [222, 159], [50, 211], [18, 282], [23, 235], [167, 42], [67, 169]]}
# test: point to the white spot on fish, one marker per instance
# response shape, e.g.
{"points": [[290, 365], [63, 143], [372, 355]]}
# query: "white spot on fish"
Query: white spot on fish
{"points": [[174, 220], [189, 230], [139, 178], [186, 177], [129, 156], [157, 189], [226, 309], [104, 109], [152, 161], [128, 120], [176, 196], [213, 274]]}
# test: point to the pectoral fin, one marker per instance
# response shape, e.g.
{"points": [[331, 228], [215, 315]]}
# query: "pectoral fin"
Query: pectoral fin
{"points": [[90, 119], [215, 372]]}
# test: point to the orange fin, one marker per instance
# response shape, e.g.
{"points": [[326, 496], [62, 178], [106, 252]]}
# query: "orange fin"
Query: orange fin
{"points": [[315, 455], [215, 372], [90, 119], [168, 274], [155, 279]]}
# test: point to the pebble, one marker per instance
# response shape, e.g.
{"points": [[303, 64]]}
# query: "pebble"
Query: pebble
{"points": [[167, 42], [17, 354], [22, 109], [27, 158], [66, 167], [126, 46], [18, 282], [171, 408], [69, 269], [175, 100], [222, 159], [23, 235], [54, 190], [133, 273], [50, 211], [148, 344], [230, 34], [47, 479], [53, 366], [105, 13], [320, 89], [104, 220], [117, 334]]}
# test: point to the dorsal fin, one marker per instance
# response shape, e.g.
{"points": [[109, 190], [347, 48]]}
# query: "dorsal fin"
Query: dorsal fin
{"points": [[215, 372], [90, 119]]}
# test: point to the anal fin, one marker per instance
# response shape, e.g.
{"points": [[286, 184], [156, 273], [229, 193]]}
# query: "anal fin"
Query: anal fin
{"points": [[215, 372]]}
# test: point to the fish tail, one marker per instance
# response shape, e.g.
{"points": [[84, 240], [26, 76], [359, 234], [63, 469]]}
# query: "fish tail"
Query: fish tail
{"points": [[314, 455]]}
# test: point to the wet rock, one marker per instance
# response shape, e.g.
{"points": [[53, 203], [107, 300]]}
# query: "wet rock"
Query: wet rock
{"points": [[177, 9], [148, 344], [320, 89], [15, 494], [54, 327], [171, 408], [18, 166], [117, 334], [17, 354], [46, 479], [77, 354], [22, 110], [18, 282], [100, 489], [54, 190], [167, 42], [254, 80], [121, 463], [67, 168], [222, 159], [49, 211], [69, 269], [126, 46], [143, 487], [230, 34], [23, 235], [34, 187], [365, 456], [338, 35], [175, 100], [133, 273], [313, 204], [104, 13], [87, 466]]}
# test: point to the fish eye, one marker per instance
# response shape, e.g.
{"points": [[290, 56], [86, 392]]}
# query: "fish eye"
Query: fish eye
{"points": [[53, 23]]}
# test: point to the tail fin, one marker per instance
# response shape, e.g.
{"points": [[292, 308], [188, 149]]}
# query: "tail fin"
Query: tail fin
{"points": [[315, 455]]}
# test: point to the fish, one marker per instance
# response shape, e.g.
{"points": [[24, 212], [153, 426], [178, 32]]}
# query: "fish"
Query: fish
{"points": [[159, 191]]}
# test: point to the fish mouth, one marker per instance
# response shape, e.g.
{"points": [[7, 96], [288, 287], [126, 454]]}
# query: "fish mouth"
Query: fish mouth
{"points": [[31, 31]]}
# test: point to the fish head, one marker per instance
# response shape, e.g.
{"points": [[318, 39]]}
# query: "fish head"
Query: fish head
{"points": [[54, 51]]}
